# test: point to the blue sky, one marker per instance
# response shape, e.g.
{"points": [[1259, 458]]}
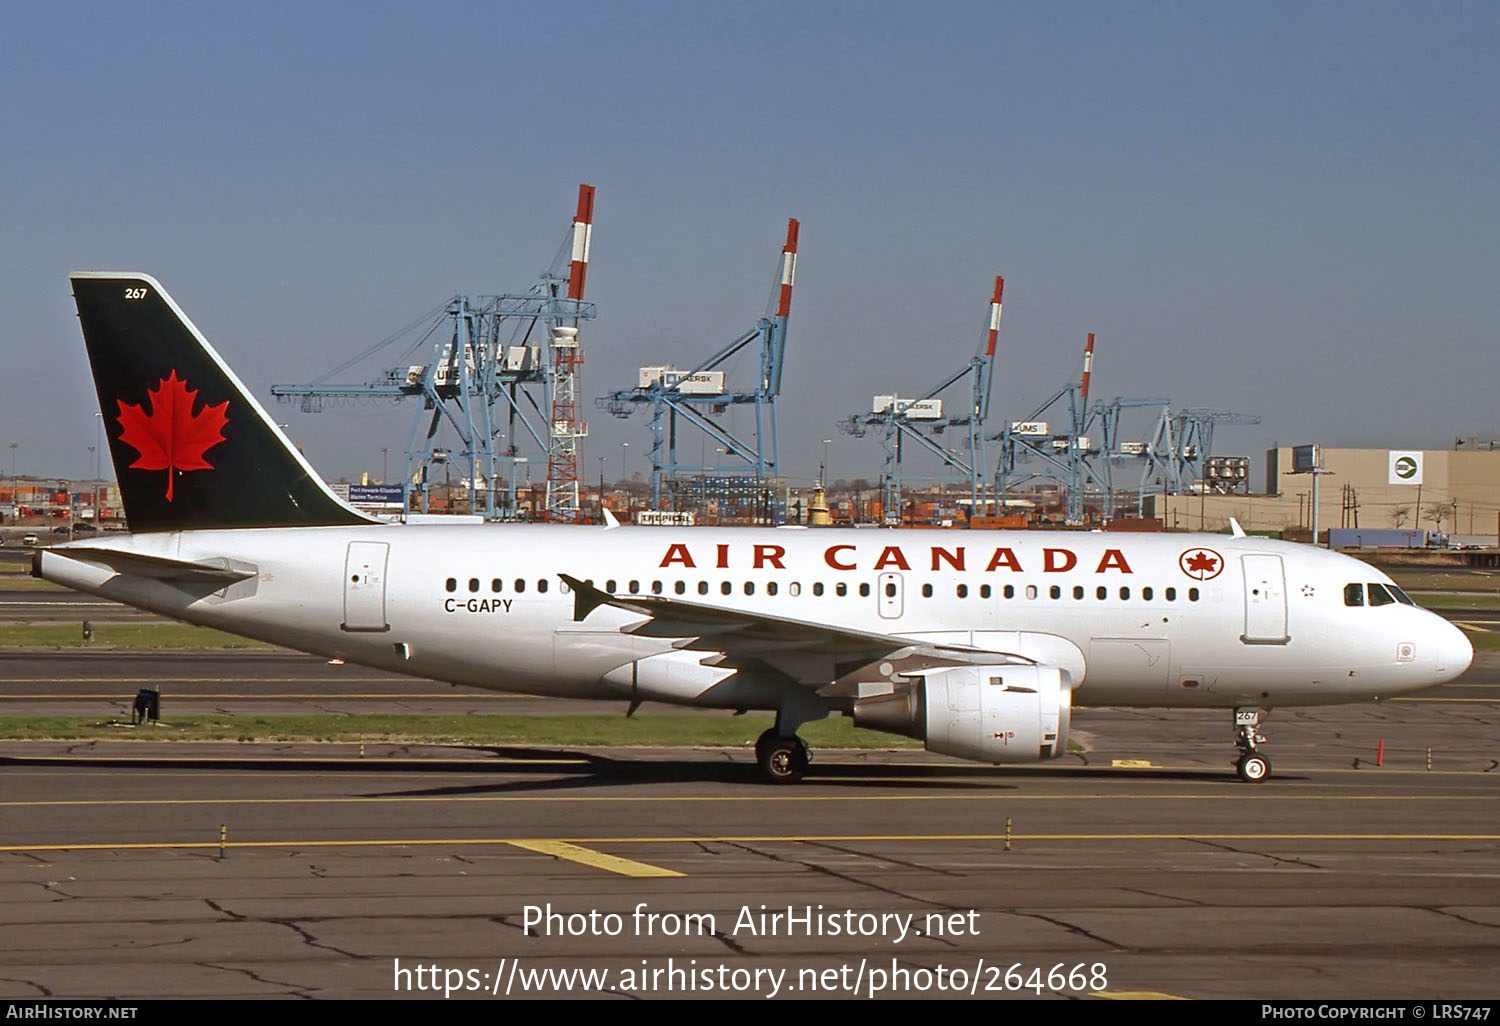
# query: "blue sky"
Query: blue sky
{"points": [[1281, 209]]}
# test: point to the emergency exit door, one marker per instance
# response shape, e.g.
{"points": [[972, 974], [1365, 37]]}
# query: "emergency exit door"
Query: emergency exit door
{"points": [[890, 596], [1265, 601], [364, 586]]}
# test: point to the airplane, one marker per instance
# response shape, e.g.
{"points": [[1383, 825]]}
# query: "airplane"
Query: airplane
{"points": [[978, 643]]}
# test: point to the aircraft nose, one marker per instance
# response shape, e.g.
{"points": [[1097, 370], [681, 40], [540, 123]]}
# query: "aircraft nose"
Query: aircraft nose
{"points": [[1454, 652]]}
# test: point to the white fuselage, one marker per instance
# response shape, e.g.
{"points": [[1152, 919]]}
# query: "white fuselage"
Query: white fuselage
{"points": [[1136, 619]]}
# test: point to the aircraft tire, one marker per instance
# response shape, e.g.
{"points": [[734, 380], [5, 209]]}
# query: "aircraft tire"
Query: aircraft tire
{"points": [[783, 760], [1253, 768]]}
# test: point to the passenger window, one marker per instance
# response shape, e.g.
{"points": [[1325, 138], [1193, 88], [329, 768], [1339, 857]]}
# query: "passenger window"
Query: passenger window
{"points": [[726, 588], [680, 587], [1379, 596], [1055, 592], [1147, 593], [984, 591], [1078, 591], [541, 586], [890, 591], [1010, 590], [749, 588], [473, 584], [1031, 591], [818, 589], [794, 589], [635, 587], [864, 591], [1101, 593], [656, 587], [1192, 594], [520, 585], [452, 584], [1171, 594], [841, 590], [495, 585], [1125, 593], [771, 587], [963, 591], [702, 587], [609, 586]]}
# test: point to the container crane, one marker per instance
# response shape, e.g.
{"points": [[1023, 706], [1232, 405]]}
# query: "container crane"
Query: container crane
{"points": [[903, 421], [699, 399], [488, 375]]}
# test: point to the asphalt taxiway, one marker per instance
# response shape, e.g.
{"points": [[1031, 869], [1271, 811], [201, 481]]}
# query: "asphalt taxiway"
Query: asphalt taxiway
{"points": [[1143, 856]]}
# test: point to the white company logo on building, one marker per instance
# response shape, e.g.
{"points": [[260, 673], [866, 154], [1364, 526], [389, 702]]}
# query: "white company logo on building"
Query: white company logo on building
{"points": [[1406, 468]]}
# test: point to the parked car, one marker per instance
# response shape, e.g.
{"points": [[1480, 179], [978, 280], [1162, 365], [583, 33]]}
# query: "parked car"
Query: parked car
{"points": [[84, 529], [30, 539]]}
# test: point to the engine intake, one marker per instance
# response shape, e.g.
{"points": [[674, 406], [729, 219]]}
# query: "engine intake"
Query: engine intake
{"points": [[994, 714]]}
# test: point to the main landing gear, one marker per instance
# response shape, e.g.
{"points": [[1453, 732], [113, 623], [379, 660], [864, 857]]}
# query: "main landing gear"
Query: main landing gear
{"points": [[1252, 766], [782, 758]]}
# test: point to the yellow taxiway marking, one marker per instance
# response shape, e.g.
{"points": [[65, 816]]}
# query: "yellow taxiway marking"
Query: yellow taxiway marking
{"points": [[597, 859], [1478, 701], [531, 843], [1137, 995], [559, 799], [1130, 764], [1471, 627]]}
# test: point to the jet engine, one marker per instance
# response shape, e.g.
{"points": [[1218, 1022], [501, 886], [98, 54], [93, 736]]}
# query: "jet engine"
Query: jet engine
{"points": [[995, 714]]}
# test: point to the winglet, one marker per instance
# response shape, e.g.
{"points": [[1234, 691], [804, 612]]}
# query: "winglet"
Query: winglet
{"points": [[1235, 529], [610, 523]]}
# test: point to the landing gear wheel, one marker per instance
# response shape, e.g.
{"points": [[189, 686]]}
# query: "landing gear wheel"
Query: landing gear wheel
{"points": [[1253, 767], [782, 760], [762, 742]]}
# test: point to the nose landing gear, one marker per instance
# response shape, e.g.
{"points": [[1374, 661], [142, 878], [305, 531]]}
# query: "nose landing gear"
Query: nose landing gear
{"points": [[1252, 766]]}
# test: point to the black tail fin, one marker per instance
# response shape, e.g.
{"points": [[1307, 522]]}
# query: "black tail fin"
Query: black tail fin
{"points": [[191, 447]]}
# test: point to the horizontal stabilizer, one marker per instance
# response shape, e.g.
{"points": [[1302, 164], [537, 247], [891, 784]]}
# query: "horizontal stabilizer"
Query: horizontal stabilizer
{"points": [[156, 567]]}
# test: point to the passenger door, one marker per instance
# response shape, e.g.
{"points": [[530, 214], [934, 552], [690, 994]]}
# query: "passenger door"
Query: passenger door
{"points": [[1265, 601]]}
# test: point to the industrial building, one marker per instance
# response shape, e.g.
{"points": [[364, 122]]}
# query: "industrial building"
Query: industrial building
{"points": [[1452, 492]]}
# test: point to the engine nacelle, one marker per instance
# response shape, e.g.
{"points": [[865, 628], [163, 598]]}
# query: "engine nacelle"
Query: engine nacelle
{"points": [[995, 714]]}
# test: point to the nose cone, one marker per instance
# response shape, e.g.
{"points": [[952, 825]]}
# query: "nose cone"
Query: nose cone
{"points": [[1454, 652]]}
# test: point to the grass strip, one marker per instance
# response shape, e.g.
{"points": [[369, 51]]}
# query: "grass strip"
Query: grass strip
{"points": [[710, 729], [121, 635]]}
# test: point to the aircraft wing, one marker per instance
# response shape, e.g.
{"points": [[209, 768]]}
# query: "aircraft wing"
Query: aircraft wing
{"points": [[808, 652]]}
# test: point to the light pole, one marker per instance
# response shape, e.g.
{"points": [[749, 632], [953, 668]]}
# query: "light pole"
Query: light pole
{"points": [[98, 451], [602, 460], [623, 476], [823, 469], [385, 465]]}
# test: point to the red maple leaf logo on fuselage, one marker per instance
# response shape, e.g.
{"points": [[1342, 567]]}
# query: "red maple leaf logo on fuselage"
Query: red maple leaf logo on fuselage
{"points": [[1201, 564], [171, 437]]}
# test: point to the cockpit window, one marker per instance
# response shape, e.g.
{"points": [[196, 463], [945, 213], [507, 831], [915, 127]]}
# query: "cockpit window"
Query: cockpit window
{"points": [[1354, 594], [1401, 596], [1379, 596]]}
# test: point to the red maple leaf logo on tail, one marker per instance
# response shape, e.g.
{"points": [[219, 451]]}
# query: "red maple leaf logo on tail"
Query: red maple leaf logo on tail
{"points": [[172, 437]]}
